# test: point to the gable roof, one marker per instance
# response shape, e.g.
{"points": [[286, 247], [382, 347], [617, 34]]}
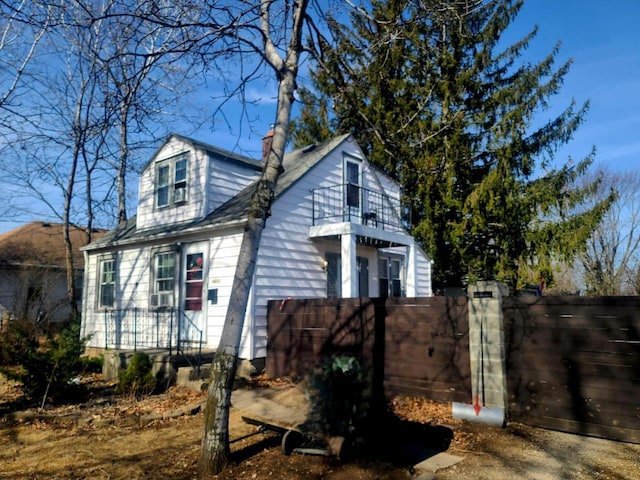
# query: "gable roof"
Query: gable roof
{"points": [[221, 153], [295, 165], [42, 243], [234, 211]]}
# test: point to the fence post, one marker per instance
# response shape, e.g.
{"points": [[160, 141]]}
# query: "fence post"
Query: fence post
{"points": [[487, 355]]}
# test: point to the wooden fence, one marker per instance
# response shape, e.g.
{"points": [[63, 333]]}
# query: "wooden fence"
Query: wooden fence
{"points": [[414, 346], [573, 363]]}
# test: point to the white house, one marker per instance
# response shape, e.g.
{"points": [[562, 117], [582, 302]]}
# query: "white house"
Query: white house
{"points": [[163, 279]]}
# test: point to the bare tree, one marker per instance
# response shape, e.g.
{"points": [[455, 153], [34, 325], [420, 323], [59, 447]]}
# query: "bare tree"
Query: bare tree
{"points": [[108, 76], [215, 442], [144, 61], [611, 259], [22, 27]]}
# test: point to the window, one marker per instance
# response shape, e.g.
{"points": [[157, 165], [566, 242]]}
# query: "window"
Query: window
{"points": [[352, 174], [165, 272], [171, 181], [395, 272], [390, 275], [107, 284], [383, 275], [334, 277], [164, 279], [363, 276]]}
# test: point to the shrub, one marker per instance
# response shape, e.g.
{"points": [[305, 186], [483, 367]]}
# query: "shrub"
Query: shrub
{"points": [[338, 394], [17, 338], [92, 364], [45, 366], [138, 378]]}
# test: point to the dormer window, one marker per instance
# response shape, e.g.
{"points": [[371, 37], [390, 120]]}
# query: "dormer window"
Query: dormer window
{"points": [[171, 181]]}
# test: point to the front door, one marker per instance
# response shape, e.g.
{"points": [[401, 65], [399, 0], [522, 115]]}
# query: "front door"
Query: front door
{"points": [[192, 304]]}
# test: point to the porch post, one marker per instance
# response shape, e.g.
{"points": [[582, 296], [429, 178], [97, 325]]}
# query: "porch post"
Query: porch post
{"points": [[410, 268], [349, 266]]}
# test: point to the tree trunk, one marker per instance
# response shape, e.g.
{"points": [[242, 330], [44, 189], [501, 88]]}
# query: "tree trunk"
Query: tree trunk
{"points": [[66, 228], [215, 443], [122, 164], [215, 451]]}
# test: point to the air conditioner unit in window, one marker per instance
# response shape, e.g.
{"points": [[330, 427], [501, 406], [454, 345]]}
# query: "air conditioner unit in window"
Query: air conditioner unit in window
{"points": [[161, 300], [180, 195]]}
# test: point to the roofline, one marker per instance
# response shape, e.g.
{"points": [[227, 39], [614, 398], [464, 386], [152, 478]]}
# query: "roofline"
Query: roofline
{"points": [[200, 225], [38, 265], [339, 140], [177, 233], [227, 154]]}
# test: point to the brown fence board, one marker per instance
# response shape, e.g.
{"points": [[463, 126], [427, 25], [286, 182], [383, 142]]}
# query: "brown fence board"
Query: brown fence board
{"points": [[573, 364], [417, 340]]}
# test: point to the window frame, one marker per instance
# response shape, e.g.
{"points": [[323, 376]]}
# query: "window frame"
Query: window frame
{"points": [[155, 276], [389, 284], [100, 281], [177, 179], [333, 271], [353, 183]]}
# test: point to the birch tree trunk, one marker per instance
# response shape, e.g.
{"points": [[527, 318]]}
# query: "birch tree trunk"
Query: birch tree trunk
{"points": [[215, 452]]}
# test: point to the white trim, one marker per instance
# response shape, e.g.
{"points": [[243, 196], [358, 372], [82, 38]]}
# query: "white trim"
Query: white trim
{"points": [[348, 228]]}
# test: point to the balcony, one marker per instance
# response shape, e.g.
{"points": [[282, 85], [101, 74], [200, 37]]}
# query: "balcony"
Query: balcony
{"points": [[351, 203], [375, 218]]}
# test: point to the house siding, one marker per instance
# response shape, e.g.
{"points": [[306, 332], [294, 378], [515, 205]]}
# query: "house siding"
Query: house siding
{"points": [[423, 274], [225, 180], [289, 262], [148, 215], [205, 191], [222, 268], [132, 290]]}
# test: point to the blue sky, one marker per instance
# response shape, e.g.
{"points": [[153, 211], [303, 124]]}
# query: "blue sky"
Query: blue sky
{"points": [[602, 38]]}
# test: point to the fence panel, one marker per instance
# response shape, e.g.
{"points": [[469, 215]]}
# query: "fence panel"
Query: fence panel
{"points": [[573, 364], [416, 346]]}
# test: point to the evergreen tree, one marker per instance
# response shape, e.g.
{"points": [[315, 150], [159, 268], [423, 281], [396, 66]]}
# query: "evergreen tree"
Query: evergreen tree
{"points": [[438, 103]]}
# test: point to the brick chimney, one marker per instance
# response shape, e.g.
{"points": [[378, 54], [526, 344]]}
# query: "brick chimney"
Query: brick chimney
{"points": [[267, 140]]}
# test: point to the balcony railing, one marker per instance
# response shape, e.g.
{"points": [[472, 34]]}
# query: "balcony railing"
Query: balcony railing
{"points": [[351, 203]]}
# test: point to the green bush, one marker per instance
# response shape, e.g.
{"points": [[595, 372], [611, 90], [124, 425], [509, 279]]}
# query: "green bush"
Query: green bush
{"points": [[92, 364], [137, 379], [46, 366], [338, 394], [17, 338]]}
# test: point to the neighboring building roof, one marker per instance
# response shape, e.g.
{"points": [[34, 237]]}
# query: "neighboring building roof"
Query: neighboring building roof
{"points": [[235, 210], [42, 243]]}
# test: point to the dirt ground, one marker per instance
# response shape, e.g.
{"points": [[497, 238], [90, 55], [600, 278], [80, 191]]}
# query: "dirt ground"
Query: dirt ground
{"points": [[159, 436]]}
